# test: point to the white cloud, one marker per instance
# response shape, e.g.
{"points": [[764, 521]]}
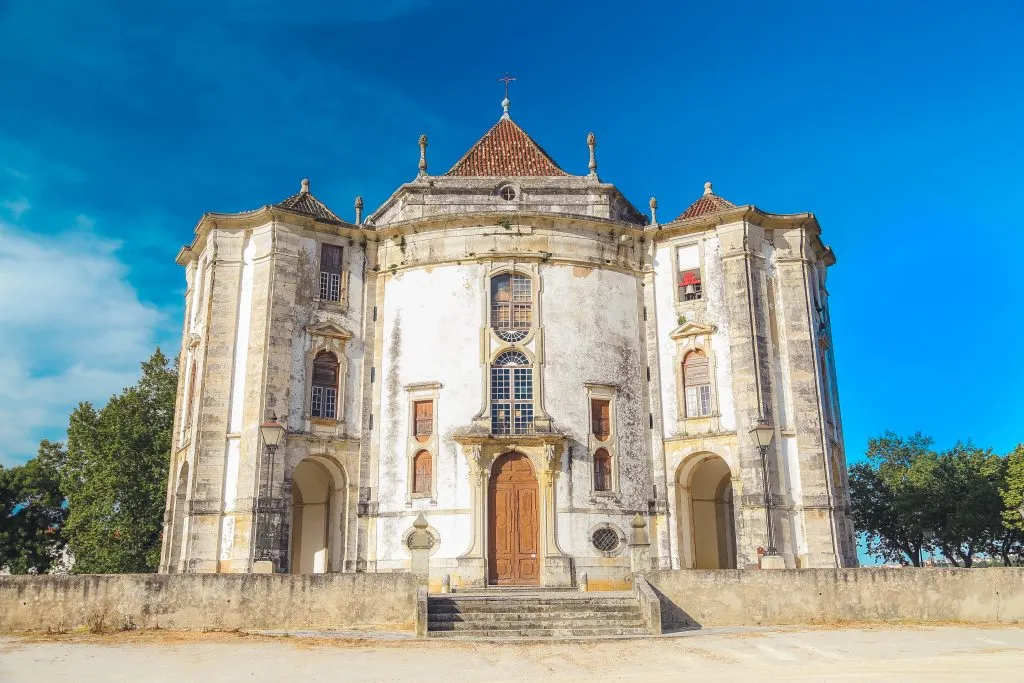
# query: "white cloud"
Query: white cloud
{"points": [[17, 207], [71, 329]]}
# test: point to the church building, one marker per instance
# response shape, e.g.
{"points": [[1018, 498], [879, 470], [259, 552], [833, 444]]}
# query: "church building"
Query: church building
{"points": [[523, 357]]}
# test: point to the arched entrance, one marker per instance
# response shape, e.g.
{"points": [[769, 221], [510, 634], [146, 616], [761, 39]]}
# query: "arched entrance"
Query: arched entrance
{"points": [[512, 522], [706, 499], [312, 487]]}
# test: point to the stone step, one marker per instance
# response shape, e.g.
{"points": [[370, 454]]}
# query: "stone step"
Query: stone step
{"points": [[473, 603], [483, 617], [591, 632], [538, 625], [534, 611]]}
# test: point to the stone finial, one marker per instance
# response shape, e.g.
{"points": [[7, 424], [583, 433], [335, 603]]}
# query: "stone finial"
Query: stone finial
{"points": [[592, 143], [653, 203], [423, 155], [504, 105], [359, 210], [707, 188], [420, 538], [639, 535], [304, 186]]}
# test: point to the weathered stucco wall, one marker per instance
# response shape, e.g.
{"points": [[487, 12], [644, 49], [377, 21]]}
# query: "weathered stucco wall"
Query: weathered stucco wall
{"points": [[205, 601], [817, 596]]}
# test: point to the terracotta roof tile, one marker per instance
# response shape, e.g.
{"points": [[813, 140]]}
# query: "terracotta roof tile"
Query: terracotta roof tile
{"points": [[506, 150], [709, 202], [304, 202]]}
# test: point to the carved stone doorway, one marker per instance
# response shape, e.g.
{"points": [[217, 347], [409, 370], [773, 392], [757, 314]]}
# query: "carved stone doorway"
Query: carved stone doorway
{"points": [[513, 524]]}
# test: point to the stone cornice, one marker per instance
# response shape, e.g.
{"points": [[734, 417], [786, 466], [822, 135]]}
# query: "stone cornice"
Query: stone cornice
{"points": [[749, 214], [691, 329], [453, 185], [262, 216], [329, 330], [532, 219]]}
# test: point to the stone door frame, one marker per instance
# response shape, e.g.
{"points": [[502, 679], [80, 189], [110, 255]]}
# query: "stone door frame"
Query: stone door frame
{"points": [[545, 454]]}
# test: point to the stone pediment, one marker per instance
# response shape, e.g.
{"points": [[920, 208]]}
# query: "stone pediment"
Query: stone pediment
{"points": [[329, 330], [692, 329]]}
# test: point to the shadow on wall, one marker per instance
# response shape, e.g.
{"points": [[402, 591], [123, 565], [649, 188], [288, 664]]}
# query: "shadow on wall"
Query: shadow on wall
{"points": [[673, 617]]}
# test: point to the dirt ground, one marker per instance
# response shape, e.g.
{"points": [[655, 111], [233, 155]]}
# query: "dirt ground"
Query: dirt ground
{"points": [[899, 653]]}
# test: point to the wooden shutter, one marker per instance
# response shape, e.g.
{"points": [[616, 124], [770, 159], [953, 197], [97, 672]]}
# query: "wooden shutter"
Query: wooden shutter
{"points": [[330, 259], [325, 369], [422, 471], [424, 418], [600, 417], [696, 369], [602, 470]]}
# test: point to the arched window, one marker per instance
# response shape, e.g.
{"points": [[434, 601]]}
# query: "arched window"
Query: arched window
{"points": [[511, 394], [602, 470], [697, 384], [511, 306], [324, 402], [422, 472]]}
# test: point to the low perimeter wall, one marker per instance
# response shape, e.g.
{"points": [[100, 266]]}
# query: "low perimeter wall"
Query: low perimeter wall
{"points": [[822, 596], [208, 601]]}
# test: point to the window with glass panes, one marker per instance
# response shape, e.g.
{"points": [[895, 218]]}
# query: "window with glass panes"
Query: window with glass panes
{"points": [[324, 399], [330, 273], [697, 384], [512, 394]]}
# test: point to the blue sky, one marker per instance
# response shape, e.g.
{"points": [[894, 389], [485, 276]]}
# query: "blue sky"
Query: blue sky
{"points": [[898, 124]]}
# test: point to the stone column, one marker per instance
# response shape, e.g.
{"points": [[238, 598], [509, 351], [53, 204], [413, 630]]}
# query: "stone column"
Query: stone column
{"points": [[472, 564], [557, 568]]}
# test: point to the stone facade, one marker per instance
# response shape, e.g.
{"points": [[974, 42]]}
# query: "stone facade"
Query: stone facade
{"points": [[553, 283]]}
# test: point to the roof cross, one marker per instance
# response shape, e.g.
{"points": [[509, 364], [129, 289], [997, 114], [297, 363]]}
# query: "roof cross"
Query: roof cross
{"points": [[507, 79]]}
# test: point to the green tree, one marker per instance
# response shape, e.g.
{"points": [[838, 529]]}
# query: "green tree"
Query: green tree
{"points": [[966, 512], [892, 496], [114, 473], [32, 513], [1012, 493]]}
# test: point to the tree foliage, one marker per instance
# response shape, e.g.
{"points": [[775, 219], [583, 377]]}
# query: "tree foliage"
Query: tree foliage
{"points": [[113, 473], [32, 513], [890, 494], [908, 500]]}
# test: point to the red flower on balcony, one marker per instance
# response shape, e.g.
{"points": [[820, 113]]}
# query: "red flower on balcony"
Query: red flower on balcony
{"points": [[690, 278]]}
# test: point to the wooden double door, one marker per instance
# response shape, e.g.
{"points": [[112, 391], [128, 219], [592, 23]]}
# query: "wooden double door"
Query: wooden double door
{"points": [[513, 532]]}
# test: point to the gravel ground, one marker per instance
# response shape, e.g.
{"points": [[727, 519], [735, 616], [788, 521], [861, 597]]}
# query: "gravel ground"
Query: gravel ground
{"points": [[899, 653]]}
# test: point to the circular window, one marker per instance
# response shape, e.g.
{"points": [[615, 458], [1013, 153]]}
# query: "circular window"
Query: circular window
{"points": [[605, 539], [508, 193]]}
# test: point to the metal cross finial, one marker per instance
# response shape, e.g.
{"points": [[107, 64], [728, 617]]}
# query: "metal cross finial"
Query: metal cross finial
{"points": [[507, 79]]}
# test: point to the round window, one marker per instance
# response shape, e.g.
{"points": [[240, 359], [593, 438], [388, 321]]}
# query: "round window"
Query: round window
{"points": [[605, 539], [508, 193]]}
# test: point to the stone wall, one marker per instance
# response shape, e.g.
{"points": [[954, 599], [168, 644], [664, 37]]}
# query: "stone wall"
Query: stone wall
{"points": [[822, 596], [206, 601]]}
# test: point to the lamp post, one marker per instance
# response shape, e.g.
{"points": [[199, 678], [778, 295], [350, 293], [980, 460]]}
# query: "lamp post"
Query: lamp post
{"points": [[272, 432], [763, 432]]}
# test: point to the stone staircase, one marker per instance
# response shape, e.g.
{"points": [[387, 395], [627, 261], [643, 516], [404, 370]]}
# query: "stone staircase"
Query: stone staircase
{"points": [[534, 613]]}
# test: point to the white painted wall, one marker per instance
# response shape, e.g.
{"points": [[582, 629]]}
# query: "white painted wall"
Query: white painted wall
{"points": [[431, 333]]}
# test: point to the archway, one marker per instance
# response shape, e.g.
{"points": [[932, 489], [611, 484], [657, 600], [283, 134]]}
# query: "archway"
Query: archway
{"points": [[312, 489], [178, 521], [512, 522], [706, 499]]}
